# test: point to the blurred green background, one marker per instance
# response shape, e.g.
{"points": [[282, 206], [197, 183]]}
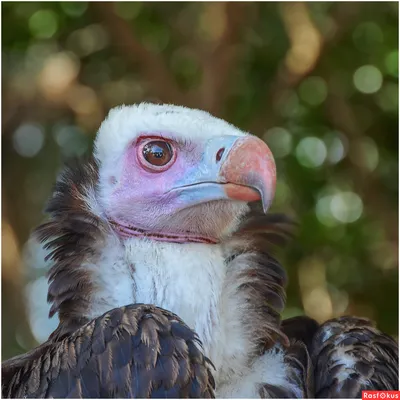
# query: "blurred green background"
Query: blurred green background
{"points": [[317, 81]]}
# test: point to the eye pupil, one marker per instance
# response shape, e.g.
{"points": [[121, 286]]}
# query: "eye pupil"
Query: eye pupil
{"points": [[157, 153]]}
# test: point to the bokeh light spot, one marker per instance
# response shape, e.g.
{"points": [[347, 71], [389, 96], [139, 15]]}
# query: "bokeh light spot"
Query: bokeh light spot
{"points": [[279, 140], [311, 152], [388, 97], [312, 283], [385, 255], [88, 40], [157, 39], [367, 36], [337, 146], [368, 79], [71, 140], [43, 24], [365, 153], [28, 140], [58, 73], [392, 63], [212, 21], [313, 90], [346, 207], [287, 104], [74, 8], [83, 100], [323, 211]]}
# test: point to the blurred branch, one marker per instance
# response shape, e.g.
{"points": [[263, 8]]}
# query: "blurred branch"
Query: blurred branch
{"points": [[219, 59], [151, 65], [343, 15], [14, 319]]}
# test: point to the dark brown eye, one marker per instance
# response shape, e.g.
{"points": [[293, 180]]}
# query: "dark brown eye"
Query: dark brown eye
{"points": [[157, 153]]}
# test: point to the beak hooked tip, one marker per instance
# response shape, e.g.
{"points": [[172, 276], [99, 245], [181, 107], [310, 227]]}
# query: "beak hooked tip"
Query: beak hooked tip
{"points": [[266, 203], [251, 164], [266, 193]]}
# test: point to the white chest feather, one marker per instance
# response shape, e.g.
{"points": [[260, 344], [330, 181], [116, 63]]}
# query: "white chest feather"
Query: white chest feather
{"points": [[186, 280], [192, 281]]}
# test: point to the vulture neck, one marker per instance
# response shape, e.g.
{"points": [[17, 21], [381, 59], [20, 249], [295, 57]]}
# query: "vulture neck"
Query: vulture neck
{"points": [[186, 279], [222, 297]]}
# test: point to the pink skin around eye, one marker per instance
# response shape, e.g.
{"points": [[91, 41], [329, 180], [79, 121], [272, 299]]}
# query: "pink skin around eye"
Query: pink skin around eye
{"points": [[141, 197]]}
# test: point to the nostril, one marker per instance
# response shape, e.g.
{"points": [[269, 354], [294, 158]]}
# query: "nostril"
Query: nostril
{"points": [[220, 153]]}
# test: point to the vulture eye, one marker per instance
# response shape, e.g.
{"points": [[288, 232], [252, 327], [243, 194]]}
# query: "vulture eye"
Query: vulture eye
{"points": [[157, 153]]}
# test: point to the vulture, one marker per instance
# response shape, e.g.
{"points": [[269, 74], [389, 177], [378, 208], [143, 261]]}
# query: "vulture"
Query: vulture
{"points": [[164, 281]]}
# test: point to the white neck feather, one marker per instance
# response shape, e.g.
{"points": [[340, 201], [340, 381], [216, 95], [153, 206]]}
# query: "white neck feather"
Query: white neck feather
{"points": [[189, 280], [186, 280]]}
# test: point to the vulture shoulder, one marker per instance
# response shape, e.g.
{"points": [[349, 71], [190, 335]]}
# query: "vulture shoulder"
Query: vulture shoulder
{"points": [[350, 355], [135, 351]]}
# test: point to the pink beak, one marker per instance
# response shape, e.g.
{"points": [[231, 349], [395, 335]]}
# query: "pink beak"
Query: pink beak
{"points": [[249, 172]]}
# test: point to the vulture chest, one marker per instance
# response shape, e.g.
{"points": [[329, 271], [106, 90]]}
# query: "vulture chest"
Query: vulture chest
{"points": [[191, 280]]}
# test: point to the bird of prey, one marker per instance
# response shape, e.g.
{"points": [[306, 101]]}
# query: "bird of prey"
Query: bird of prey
{"points": [[163, 280]]}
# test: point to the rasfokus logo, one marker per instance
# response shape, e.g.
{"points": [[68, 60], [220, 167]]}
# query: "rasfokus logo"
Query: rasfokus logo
{"points": [[381, 394]]}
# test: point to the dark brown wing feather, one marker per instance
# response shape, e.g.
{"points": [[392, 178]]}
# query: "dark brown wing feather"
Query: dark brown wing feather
{"points": [[350, 355], [136, 351]]}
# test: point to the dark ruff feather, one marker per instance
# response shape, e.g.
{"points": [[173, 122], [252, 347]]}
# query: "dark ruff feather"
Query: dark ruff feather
{"points": [[264, 279], [74, 235]]}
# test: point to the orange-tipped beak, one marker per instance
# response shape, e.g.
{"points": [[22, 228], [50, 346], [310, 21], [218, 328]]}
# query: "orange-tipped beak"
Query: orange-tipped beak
{"points": [[249, 172]]}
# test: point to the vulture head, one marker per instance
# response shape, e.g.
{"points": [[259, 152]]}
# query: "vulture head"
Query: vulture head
{"points": [[178, 175]]}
